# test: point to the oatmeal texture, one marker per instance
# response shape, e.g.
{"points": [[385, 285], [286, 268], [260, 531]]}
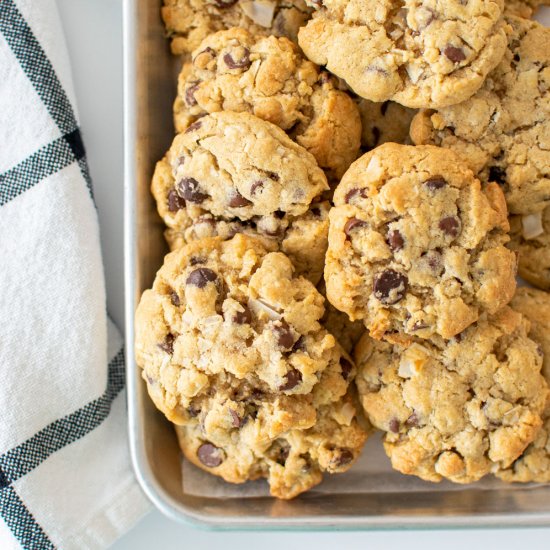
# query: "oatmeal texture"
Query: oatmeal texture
{"points": [[418, 53], [232, 351], [504, 129], [417, 245], [456, 409]]}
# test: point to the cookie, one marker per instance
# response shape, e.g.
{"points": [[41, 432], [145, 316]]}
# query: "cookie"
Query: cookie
{"points": [[383, 122], [269, 77], [416, 245], [456, 409], [189, 22], [504, 129], [420, 54], [232, 172], [523, 8], [530, 238], [231, 348], [534, 463]]}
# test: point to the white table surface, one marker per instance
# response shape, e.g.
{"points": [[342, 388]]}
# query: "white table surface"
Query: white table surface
{"points": [[93, 29]]}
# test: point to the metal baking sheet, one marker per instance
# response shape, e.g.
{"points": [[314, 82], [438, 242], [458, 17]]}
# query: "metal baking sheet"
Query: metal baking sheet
{"points": [[149, 88]]}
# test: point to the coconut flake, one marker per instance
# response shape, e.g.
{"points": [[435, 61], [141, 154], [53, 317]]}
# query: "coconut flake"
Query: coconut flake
{"points": [[258, 307], [532, 225], [345, 415], [412, 360], [260, 11], [374, 168]]}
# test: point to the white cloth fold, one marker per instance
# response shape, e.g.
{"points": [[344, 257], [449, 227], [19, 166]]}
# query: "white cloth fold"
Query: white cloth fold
{"points": [[65, 474]]}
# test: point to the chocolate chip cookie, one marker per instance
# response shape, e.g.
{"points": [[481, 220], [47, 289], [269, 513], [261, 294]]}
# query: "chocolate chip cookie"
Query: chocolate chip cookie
{"points": [[233, 172], [188, 22], [456, 409], [420, 54], [530, 238], [416, 245], [231, 347], [293, 462], [383, 122], [504, 129], [534, 463], [269, 77]]}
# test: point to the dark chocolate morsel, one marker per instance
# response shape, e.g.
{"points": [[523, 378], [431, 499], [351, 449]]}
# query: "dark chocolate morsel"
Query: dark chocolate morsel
{"points": [[201, 277], [209, 455]]}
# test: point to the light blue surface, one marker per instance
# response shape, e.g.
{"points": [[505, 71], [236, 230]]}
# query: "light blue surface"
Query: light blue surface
{"points": [[94, 35]]}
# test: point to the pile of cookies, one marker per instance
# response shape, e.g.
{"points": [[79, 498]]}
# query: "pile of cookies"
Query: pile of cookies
{"points": [[347, 195]]}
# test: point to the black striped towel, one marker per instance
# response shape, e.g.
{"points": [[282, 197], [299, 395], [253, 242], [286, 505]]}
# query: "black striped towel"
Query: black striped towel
{"points": [[65, 475]]}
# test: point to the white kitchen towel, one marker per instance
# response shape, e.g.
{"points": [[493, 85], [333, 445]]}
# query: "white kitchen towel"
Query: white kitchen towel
{"points": [[65, 474]]}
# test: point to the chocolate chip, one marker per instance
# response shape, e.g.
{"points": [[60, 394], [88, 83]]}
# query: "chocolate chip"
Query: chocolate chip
{"points": [[175, 202], [395, 240], [236, 420], [394, 425], [279, 214], [196, 260], [352, 193], [192, 127], [292, 379], [412, 421], [207, 50], [168, 344], [434, 259], [345, 456], [189, 189], [300, 345], [256, 186], [353, 223], [175, 299], [242, 317], [190, 93], [225, 3], [242, 63], [238, 201], [450, 226], [384, 108], [193, 412], [419, 325], [498, 175], [201, 277], [456, 55], [390, 286], [316, 212], [209, 455], [435, 182], [346, 367], [285, 338], [283, 455]]}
